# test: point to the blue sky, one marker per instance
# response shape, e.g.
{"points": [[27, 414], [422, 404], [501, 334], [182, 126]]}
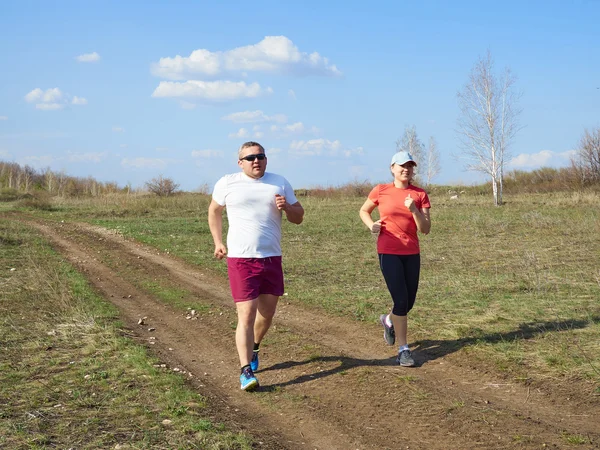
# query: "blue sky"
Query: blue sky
{"points": [[129, 90]]}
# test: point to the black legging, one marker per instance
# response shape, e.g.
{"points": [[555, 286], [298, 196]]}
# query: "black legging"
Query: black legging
{"points": [[401, 274]]}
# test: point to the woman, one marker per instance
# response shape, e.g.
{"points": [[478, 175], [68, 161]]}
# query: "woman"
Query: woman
{"points": [[403, 210]]}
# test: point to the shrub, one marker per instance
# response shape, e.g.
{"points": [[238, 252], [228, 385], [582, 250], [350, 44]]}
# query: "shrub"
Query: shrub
{"points": [[9, 195], [39, 200]]}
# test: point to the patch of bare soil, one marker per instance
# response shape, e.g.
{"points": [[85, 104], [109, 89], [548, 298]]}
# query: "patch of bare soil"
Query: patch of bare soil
{"points": [[326, 383]]}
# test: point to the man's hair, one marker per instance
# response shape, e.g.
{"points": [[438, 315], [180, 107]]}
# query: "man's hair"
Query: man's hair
{"points": [[248, 145]]}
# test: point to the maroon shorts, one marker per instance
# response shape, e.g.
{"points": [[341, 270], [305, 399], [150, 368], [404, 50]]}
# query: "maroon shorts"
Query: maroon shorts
{"points": [[250, 277]]}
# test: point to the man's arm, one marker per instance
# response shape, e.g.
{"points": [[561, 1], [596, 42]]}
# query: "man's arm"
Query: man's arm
{"points": [[294, 213], [215, 223]]}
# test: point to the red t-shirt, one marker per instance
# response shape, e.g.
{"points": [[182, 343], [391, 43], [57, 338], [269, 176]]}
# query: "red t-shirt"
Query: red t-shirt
{"points": [[398, 235]]}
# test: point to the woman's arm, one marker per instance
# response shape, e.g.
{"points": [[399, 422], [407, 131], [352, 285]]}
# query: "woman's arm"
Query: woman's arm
{"points": [[422, 220], [365, 214]]}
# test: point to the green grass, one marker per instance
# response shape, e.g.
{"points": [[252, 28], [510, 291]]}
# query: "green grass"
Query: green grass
{"points": [[68, 376], [515, 287]]}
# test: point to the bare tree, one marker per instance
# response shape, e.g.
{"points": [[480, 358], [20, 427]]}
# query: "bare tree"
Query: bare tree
{"points": [[49, 180], [432, 161], [587, 159], [489, 121], [161, 186], [410, 142]]}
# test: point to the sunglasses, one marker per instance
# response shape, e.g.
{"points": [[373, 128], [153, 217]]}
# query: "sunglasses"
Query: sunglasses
{"points": [[259, 156]]}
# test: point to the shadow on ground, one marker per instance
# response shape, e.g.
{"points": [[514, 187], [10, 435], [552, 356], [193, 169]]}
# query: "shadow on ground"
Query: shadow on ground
{"points": [[430, 350], [345, 363], [426, 350]]}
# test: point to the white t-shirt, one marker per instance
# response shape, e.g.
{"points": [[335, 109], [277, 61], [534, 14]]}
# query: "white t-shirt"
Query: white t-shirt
{"points": [[254, 220]]}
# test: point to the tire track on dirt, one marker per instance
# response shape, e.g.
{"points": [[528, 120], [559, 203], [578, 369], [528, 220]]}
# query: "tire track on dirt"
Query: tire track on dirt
{"points": [[347, 394]]}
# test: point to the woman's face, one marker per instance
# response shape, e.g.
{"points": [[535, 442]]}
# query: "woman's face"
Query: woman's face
{"points": [[403, 173]]}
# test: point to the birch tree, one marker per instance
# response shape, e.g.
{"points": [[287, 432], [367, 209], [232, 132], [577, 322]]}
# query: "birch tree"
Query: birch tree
{"points": [[410, 142], [488, 121], [432, 161]]}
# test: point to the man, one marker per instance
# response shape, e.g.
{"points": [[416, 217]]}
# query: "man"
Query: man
{"points": [[255, 200]]}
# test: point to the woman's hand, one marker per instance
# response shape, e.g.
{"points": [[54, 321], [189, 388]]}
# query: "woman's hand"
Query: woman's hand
{"points": [[410, 204], [376, 227]]}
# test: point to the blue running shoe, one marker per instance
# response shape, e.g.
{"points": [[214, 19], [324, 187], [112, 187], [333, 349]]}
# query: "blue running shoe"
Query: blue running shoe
{"points": [[254, 362], [248, 381]]}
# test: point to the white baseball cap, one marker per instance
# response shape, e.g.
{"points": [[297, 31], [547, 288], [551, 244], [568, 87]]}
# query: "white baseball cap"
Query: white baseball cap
{"points": [[402, 158]]}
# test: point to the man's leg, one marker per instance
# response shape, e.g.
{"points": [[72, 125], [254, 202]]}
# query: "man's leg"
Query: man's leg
{"points": [[244, 333], [267, 304]]}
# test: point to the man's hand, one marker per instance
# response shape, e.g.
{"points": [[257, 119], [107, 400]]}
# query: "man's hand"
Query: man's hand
{"points": [[220, 251], [281, 202]]}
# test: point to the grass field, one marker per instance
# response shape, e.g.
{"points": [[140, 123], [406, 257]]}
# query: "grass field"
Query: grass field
{"points": [[515, 289], [70, 378], [518, 286]]}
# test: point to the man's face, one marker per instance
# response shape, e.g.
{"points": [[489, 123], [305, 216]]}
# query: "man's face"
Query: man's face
{"points": [[255, 168]]}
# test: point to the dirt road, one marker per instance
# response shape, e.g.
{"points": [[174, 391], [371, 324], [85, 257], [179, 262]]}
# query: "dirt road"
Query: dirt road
{"points": [[326, 382]]}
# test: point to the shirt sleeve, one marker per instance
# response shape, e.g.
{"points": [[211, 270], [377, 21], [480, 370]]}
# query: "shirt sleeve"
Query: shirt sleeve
{"points": [[290, 197], [425, 201], [220, 191], [374, 195]]}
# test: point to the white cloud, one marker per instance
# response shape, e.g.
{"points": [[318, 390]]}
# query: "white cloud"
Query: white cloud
{"points": [[292, 94], [240, 134], [544, 158], [49, 96], [348, 152], [258, 134], [145, 163], [38, 161], [79, 101], [273, 54], [297, 127], [210, 90], [254, 117], [51, 99], [88, 57], [86, 157], [187, 105], [314, 147], [118, 129], [5, 154], [49, 106], [3, 117], [162, 149], [207, 154]]}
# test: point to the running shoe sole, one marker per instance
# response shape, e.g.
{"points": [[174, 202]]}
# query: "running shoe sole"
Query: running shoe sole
{"points": [[248, 384], [389, 335]]}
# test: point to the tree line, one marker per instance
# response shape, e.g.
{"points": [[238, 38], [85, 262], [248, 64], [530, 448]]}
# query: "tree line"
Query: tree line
{"points": [[26, 179]]}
